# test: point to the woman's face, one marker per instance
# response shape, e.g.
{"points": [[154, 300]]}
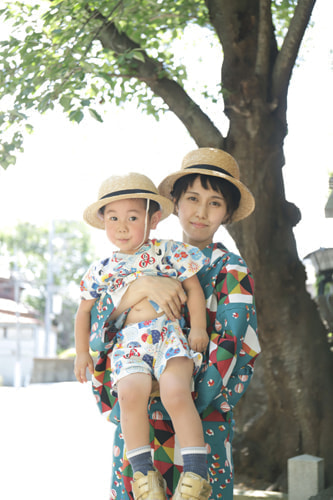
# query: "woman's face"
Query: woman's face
{"points": [[201, 211]]}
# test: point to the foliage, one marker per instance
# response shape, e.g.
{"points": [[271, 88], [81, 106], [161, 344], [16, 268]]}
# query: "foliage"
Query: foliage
{"points": [[35, 252], [282, 11], [70, 353], [54, 53], [30, 247]]}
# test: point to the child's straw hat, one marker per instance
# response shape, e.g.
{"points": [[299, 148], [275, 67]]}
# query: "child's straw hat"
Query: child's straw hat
{"points": [[216, 163], [120, 187]]}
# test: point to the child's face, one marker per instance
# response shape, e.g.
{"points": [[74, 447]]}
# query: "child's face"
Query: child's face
{"points": [[125, 224], [201, 212]]}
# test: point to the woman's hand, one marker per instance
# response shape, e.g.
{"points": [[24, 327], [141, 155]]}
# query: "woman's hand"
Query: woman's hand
{"points": [[168, 293]]}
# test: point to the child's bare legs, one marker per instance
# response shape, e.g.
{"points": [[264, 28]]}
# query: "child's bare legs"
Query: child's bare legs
{"points": [[133, 395], [175, 390]]}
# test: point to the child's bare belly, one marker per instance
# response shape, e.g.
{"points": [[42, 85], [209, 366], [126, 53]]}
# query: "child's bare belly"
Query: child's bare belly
{"points": [[142, 311]]}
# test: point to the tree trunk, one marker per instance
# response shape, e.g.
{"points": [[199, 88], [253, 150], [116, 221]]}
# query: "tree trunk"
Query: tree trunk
{"points": [[296, 364], [294, 412], [296, 361]]}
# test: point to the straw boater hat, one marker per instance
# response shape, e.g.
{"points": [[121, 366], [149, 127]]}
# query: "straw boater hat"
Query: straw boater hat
{"points": [[120, 187], [217, 163]]}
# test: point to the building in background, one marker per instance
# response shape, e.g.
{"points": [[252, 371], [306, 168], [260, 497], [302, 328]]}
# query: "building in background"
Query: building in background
{"points": [[329, 204], [322, 262], [22, 335]]}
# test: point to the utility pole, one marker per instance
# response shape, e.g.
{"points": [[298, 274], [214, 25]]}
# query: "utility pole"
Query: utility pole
{"points": [[49, 290], [17, 374]]}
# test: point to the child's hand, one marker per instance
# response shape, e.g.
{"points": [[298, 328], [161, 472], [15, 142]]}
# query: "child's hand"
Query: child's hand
{"points": [[198, 339], [83, 361]]}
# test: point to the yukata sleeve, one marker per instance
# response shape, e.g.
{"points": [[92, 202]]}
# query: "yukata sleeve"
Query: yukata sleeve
{"points": [[90, 285], [234, 342], [103, 330], [186, 259], [96, 284]]}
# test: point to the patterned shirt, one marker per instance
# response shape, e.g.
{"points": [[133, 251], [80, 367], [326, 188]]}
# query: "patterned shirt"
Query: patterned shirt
{"points": [[155, 258], [107, 280]]}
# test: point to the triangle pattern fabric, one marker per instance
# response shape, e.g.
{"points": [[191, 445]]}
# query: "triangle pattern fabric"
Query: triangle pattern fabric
{"points": [[233, 282], [164, 452]]}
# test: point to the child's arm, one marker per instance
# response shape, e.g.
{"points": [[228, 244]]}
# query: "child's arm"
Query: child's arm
{"points": [[196, 303], [83, 359]]}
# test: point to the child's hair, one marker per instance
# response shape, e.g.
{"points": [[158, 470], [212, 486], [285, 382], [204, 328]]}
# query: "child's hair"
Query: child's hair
{"points": [[153, 207], [229, 192]]}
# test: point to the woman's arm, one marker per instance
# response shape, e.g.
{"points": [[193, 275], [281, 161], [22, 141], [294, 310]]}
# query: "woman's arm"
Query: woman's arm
{"points": [[235, 344], [232, 326], [168, 293]]}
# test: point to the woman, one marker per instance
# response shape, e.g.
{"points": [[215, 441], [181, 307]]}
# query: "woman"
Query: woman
{"points": [[207, 192]]}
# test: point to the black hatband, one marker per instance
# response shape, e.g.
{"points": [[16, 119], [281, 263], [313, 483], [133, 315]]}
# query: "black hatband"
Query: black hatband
{"points": [[127, 191], [210, 167]]}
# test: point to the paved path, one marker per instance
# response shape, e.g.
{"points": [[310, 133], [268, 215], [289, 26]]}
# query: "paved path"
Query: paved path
{"points": [[47, 448]]}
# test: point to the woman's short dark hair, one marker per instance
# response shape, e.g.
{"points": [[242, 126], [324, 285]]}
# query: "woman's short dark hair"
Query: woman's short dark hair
{"points": [[228, 190]]}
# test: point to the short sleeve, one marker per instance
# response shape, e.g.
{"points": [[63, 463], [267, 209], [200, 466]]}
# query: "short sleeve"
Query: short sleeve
{"points": [[186, 259], [93, 282]]}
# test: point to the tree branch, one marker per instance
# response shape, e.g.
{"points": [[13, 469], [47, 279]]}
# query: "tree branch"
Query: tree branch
{"points": [[288, 53], [198, 124], [264, 37]]}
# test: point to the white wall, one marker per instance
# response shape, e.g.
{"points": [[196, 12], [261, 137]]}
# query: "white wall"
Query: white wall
{"points": [[18, 347]]}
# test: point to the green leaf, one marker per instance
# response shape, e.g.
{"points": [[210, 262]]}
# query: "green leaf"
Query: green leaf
{"points": [[66, 102], [76, 116], [138, 56], [95, 115], [29, 128]]}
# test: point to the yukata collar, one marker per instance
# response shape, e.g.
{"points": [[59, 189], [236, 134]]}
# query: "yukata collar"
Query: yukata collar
{"points": [[143, 248], [214, 251]]}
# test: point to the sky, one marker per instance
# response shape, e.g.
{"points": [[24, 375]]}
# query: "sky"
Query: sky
{"points": [[64, 163]]}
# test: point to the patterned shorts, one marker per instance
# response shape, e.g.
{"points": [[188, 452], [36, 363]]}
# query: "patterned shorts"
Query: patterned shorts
{"points": [[147, 346]]}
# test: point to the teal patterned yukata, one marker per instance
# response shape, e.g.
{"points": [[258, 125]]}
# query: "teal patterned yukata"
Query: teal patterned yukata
{"points": [[222, 380]]}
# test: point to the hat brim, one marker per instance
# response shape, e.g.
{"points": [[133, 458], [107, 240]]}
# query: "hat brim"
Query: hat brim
{"points": [[92, 216], [246, 204]]}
